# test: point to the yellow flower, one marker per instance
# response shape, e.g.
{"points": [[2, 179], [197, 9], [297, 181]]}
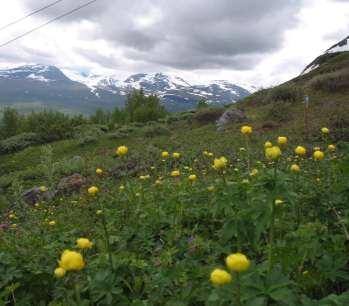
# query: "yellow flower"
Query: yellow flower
{"points": [[59, 272], [325, 130], [295, 168], [273, 153], [318, 155], [52, 223], [158, 182], [121, 151], [237, 262], [12, 216], [205, 153], [144, 177], [165, 154], [220, 163], [317, 149], [246, 130], [192, 177], [99, 171], [220, 277], [14, 225], [268, 144], [43, 188], [84, 243], [301, 151], [99, 212], [37, 205], [282, 140], [93, 190], [278, 202], [71, 261], [210, 188], [121, 187], [175, 173], [176, 155], [254, 172], [332, 147]]}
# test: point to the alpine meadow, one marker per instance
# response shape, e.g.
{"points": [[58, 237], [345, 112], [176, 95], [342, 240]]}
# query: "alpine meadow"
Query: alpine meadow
{"points": [[158, 191]]}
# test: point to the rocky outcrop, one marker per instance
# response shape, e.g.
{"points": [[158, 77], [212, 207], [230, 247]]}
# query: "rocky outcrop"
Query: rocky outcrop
{"points": [[230, 116]]}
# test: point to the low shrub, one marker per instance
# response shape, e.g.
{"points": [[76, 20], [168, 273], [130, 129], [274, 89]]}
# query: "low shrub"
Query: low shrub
{"points": [[285, 93], [18, 142], [152, 131], [208, 115], [331, 82]]}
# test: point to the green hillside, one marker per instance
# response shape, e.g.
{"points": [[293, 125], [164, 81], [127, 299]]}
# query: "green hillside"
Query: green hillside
{"points": [[161, 225]]}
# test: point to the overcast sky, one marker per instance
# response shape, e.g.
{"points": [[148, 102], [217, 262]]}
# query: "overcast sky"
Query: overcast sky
{"points": [[258, 42]]}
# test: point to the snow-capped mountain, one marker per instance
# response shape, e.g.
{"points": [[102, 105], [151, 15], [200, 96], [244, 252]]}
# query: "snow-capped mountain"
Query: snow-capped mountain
{"points": [[50, 87], [342, 46]]}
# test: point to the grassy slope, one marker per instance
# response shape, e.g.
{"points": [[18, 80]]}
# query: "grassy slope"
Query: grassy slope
{"points": [[173, 273]]}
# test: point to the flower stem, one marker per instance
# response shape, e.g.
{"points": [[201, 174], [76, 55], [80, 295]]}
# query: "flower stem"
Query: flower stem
{"points": [[238, 290]]}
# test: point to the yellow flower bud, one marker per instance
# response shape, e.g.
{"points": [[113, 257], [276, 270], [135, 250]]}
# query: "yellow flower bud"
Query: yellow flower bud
{"points": [[295, 168], [273, 153], [331, 147], [175, 173], [192, 177], [318, 155], [268, 144], [301, 151], [220, 277], [121, 151], [176, 155], [220, 163], [282, 140], [99, 171], [71, 261], [59, 272], [84, 243], [246, 130], [325, 130], [93, 190], [237, 262], [165, 154]]}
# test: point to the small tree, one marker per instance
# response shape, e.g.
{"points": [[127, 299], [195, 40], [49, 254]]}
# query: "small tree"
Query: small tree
{"points": [[10, 123], [141, 108], [202, 103]]}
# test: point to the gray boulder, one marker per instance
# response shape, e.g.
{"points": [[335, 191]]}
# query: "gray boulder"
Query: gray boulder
{"points": [[230, 116], [35, 195]]}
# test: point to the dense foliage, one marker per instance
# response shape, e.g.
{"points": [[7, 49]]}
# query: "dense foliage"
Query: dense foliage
{"points": [[156, 224]]}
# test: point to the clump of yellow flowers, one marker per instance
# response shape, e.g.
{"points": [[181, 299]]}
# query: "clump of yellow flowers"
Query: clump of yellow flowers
{"points": [[70, 261], [246, 130], [121, 151], [236, 262]]}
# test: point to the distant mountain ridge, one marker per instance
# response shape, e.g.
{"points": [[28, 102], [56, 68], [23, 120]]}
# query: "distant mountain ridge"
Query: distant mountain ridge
{"points": [[341, 46], [48, 86]]}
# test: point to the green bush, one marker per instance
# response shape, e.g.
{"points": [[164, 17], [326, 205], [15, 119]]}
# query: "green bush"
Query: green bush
{"points": [[279, 111], [208, 115], [285, 93], [152, 131], [19, 142], [331, 82]]}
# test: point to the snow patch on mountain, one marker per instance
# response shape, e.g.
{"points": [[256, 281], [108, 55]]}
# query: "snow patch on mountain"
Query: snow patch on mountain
{"points": [[342, 46]]}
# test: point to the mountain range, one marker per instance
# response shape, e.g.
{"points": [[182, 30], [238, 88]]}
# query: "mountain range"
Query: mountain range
{"points": [[37, 86]]}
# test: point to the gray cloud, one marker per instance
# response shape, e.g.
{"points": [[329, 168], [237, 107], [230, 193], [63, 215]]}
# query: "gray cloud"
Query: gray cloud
{"points": [[186, 34]]}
